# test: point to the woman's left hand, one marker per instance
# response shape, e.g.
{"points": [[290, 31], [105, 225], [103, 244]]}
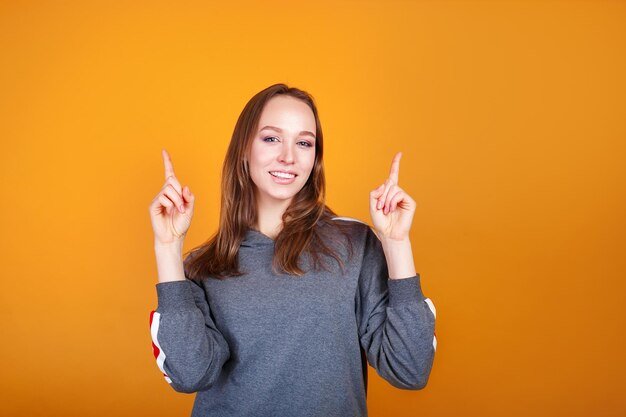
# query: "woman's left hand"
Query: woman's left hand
{"points": [[391, 207]]}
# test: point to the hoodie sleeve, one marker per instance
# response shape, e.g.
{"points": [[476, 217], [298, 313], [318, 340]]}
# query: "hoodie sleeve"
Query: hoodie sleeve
{"points": [[396, 322], [189, 349]]}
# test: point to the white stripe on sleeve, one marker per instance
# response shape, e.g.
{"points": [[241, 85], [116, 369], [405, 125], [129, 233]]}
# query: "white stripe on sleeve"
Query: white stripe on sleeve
{"points": [[154, 330]]}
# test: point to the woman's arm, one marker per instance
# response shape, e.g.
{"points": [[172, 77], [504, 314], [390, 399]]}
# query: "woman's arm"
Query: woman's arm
{"points": [[188, 347], [396, 321], [399, 256]]}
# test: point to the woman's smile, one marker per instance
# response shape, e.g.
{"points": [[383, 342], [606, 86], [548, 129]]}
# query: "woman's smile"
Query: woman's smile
{"points": [[282, 178]]}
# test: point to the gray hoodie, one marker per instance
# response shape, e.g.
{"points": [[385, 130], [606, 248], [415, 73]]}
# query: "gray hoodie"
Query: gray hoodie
{"points": [[267, 344]]}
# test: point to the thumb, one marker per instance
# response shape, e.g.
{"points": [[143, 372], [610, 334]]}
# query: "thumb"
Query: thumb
{"points": [[375, 195], [378, 192], [188, 195]]}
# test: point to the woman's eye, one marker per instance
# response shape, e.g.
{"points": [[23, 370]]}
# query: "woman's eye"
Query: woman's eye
{"points": [[269, 139]]}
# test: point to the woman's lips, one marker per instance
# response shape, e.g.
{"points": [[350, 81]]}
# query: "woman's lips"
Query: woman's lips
{"points": [[280, 180]]}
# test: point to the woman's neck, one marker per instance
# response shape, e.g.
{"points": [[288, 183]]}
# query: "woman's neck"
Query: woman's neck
{"points": [[270, 218]]}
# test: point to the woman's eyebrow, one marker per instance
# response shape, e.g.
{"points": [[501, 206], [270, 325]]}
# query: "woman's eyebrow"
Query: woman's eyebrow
{"points": [[304, 132]]}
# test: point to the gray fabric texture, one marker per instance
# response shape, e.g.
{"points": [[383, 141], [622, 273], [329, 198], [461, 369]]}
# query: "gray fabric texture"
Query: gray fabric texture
{"points": [[267, 344]]}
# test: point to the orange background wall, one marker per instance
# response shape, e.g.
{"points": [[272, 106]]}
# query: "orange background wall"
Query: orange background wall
{"points": [[510, 116]]}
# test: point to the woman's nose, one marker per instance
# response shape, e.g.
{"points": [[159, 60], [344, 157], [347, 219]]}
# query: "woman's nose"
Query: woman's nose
{"points": [[286, 153]]}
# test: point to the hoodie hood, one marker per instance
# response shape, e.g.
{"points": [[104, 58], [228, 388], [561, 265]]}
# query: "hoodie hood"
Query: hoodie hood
{"points": [[254, 238]]}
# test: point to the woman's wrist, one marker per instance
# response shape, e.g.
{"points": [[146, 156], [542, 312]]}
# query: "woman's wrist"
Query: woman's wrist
{"points": [[170, 247], [169, 261], [399, 257]]}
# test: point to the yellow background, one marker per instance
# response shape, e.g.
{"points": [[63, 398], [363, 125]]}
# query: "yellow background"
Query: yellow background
{"points": [[510, 116]]}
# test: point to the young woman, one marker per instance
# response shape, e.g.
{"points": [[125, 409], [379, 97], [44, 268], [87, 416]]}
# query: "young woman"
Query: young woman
{"points": [[280, 311]]}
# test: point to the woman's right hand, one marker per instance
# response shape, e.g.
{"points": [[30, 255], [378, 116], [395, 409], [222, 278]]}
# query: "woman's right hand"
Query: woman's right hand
{"points": [[172, 208]]}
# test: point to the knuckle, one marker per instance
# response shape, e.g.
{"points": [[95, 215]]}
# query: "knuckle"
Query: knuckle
{"points": [[172, 191]]}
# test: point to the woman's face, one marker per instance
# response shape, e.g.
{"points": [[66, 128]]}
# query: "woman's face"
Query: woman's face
{"points": [[282, 153]]}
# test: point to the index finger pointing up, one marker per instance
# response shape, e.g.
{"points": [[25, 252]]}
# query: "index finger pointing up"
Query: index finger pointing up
{"points": [[395, 168], [167, 161]]}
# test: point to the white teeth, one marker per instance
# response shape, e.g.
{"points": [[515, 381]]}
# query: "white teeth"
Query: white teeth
{"points": [[282, 174]]}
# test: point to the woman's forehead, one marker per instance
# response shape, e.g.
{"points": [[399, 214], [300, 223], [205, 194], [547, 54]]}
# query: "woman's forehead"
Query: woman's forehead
{"points": [[287, 114]]}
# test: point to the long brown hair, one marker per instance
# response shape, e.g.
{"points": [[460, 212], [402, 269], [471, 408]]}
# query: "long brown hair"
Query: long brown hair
{"points": [[218, 256]]}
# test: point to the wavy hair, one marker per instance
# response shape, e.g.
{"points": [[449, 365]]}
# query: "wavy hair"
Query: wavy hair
{"points": [[218, 256]]}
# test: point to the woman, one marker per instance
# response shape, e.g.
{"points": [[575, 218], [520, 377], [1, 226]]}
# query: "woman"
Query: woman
{"points": [[279, 312]]}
